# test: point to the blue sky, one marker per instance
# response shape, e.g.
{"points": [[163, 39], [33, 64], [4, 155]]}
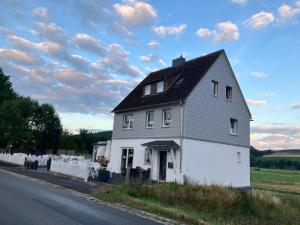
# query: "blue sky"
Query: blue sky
{"points": [[85, 56]]}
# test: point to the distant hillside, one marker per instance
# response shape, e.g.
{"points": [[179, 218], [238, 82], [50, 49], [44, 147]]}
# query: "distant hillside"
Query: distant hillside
{"points": [[282, 159]]}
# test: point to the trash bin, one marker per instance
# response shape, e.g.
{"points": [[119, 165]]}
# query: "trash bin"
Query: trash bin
{"points": [[103, 175]]}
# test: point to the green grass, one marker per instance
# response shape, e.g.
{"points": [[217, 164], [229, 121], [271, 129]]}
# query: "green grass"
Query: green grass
{"points": [[207, 204], [276, 176]]}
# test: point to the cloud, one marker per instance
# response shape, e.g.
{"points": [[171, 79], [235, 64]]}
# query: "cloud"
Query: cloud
{"points": [[275, 109], [239, 2], [226, 31], [256, 102], [296, 106], [136, 13], [163, 31], [92, 14], [287, 12], [41, 12], [147, 58], [275, 136], [19, 56], [259, 74], [88, 43], [260, 20], [53, 33], [153, 44], [161, 62], [116, 61]]}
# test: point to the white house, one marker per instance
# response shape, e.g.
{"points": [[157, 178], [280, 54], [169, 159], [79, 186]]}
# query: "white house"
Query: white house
{"points": [[187, 123]]}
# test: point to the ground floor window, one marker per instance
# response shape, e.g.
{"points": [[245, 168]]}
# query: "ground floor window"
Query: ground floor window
{"points": [[147, 156], [127, 158]]}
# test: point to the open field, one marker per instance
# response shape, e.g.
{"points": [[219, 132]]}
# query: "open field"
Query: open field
{"points": [[274, 200]]}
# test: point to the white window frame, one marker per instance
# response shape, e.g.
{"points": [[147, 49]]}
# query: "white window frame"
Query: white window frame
{"points": [[148, 123], [147, 89], [129, 123], [233, 130], [230, 93], [160, 86], [169, 122], [215, 88]]}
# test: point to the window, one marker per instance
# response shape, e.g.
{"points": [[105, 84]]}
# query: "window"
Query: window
{"points": [[127, 121], [228, 93], [147, 156], [147, 90], [233, 126], [166, 117], [149, 119], [160, 86], [215, 87], [239, 157], [178, 83]]}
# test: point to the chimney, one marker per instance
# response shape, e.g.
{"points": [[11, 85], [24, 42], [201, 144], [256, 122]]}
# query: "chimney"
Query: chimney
{"points": [[178, 61]]}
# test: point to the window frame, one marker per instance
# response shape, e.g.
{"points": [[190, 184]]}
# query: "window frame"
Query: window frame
{"points": [[163, 86], [215, 87], [145, 88], [230, 92], [130, 121], [147, 122], [164, 119], [235, 128]]}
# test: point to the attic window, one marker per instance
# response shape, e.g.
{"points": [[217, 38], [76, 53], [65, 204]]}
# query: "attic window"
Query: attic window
{"points": [[147, 90], [178, 83], [215, 87], [160, 86], [229, 93]]}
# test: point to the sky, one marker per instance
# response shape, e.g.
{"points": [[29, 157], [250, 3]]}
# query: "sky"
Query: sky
{"points": [[84, 57]]}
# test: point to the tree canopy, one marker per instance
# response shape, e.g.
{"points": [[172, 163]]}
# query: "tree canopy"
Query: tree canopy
{"points": [[25, 124]]}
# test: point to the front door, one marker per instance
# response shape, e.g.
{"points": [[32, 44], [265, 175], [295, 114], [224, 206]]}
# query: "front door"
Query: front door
{"points": [[127, 158], [162, 165]]}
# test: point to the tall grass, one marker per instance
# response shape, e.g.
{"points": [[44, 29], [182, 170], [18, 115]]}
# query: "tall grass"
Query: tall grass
{"points": [[215, 204]]}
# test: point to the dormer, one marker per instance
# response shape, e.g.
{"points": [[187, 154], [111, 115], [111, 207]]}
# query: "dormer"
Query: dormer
{"points": [[154, 88]]}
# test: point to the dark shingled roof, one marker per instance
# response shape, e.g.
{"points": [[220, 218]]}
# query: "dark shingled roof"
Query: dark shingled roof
{"points": [[191, 71], [161, 144]]}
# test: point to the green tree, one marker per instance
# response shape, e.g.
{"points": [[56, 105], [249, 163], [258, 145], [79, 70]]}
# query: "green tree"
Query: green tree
{"points": [[6, 90]]}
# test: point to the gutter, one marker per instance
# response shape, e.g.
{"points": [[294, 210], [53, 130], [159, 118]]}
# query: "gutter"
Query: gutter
{"points": [[181, 133]]}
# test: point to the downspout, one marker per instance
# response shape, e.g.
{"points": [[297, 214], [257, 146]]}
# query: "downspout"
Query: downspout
{"points": [[181, 133]]}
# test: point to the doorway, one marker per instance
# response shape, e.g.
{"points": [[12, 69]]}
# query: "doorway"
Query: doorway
{"points": [[127, 158], [162, 165]]}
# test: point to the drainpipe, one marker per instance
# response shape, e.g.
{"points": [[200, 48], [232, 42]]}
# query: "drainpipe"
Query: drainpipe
{"points": [[181, 134]]}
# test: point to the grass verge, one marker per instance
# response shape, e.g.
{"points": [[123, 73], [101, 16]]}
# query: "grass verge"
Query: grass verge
{"points": [[193, 204]]}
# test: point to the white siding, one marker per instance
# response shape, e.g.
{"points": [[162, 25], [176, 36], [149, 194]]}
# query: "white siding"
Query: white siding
{"points": [[139, 129], [213, 163], [207, 117]]}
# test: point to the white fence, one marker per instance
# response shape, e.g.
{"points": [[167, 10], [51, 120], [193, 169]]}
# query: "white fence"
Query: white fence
{"points": [[16, 158], [75, 166]]}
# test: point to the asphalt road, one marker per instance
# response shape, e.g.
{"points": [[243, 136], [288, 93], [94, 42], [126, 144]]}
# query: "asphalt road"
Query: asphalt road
{"points": [[24, 202]]}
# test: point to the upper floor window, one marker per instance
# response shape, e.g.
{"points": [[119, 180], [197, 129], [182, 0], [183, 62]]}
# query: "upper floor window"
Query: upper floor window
{"points": [[228, 93], [127, 121], [215, 87], [160, 86], [233, 126], [147, 90], [167, 118], [149, 119]]}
